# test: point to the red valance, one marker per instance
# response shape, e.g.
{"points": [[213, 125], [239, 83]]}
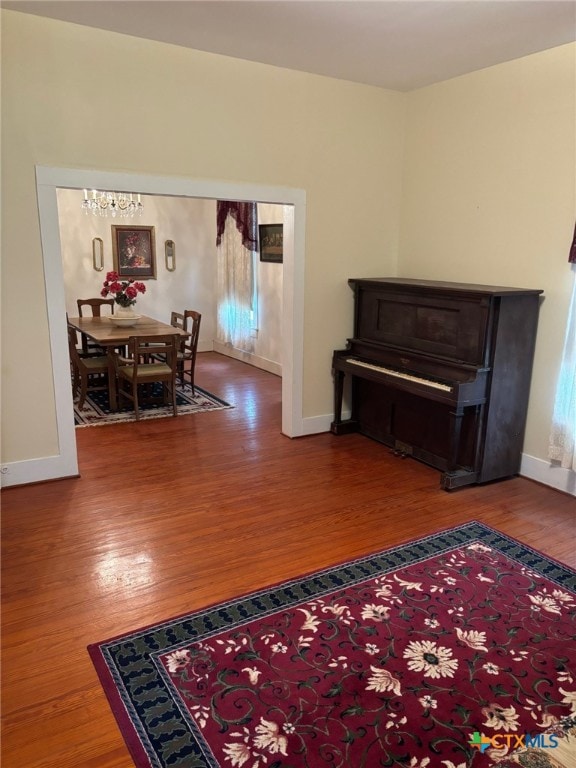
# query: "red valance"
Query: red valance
{"points": [[246, 217]]}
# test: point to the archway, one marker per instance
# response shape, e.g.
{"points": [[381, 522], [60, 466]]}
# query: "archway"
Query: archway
{"points": [[48, 180]]}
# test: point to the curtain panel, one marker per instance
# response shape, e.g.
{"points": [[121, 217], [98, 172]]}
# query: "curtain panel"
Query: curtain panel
{"points": [[236, 241], [572, 255], [562, 447]]}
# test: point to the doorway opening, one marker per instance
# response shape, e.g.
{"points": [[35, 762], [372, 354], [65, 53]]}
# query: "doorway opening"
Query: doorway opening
{"points": [[196, 276], [48, 180]]}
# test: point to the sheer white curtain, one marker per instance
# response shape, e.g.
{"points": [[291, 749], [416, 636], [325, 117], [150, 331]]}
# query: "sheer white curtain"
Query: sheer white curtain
{"points": [[235, 289], [563, 434]]}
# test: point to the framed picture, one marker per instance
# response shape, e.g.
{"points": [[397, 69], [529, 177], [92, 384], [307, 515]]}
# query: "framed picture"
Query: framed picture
{"points": [[271, 238], [134, 252]]}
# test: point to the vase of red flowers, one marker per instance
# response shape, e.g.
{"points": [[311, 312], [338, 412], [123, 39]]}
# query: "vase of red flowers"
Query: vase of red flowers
{"points": [[124, 293]]}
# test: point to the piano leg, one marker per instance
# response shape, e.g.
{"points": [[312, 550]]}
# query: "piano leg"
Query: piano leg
{"points": [[339, 427], [455, 477], [455, 432]]}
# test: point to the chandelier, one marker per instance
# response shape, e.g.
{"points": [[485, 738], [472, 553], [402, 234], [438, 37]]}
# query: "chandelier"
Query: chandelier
{"points": [[122, 204]]}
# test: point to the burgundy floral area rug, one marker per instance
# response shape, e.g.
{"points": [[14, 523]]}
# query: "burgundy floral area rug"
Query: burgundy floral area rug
{"points": [[455, 650]]}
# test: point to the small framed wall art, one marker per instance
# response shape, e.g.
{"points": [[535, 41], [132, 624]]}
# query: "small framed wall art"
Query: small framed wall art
{"points": [[134, 252], [271, 238]]}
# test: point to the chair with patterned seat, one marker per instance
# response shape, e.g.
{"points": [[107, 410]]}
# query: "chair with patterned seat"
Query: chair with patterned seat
{"points": [[141, 368]]}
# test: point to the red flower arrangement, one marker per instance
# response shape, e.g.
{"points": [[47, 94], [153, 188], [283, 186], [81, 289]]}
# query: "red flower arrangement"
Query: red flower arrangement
{"points": [[125, 291]]}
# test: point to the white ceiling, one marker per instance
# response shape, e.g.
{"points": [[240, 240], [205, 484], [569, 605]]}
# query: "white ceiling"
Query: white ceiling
{"points": [[397, 44]]}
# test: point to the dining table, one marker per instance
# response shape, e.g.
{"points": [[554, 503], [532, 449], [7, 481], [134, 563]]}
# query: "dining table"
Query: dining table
{"points": [[107, 333]]}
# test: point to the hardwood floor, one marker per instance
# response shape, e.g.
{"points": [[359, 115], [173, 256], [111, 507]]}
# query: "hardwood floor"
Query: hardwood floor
{"points": [[171, 515]]}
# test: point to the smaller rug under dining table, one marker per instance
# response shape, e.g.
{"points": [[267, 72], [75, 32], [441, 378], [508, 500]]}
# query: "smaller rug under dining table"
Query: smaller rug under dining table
{"points": [[454, 650], [96, 410]]}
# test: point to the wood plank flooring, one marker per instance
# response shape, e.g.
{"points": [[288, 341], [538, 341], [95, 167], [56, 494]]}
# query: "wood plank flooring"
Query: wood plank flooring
{"points": [[171, 515]]}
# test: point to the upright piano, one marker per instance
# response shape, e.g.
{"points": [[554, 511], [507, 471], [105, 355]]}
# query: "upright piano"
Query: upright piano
{"points": [[440, 371]]}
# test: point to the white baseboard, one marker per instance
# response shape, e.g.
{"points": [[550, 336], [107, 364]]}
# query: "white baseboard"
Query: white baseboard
{"points": [[314, 425], [248, 357], [543, 472], [38, 470]]}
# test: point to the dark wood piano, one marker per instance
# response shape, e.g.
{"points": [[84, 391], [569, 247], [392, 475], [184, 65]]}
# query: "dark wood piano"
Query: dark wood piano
{"points": [[441, 372]]}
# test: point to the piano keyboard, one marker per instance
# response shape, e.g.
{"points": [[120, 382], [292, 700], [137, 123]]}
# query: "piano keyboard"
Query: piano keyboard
{"points": [[400, 375]]}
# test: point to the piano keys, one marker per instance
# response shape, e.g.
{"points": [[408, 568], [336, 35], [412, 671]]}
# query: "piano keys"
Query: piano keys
{"points": [[441, 372], [395, 374]]}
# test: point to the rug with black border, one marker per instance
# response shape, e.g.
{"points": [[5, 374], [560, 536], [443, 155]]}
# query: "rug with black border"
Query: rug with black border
{"points": [[454, 650], [96, 408]]}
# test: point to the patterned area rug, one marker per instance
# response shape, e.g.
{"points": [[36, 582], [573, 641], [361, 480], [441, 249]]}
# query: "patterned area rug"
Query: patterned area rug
{"points": [[96, 410], [452, 651]]}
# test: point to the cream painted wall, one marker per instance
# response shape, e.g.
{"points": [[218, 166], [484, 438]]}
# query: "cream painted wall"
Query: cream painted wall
{"points": [[269, 279], [489, 195], [190, 223], [174, 111]]}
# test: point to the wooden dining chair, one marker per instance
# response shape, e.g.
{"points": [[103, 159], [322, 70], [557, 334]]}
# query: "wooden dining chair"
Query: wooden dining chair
{"points": [[189, 345], [177, 320], [90, 347], [95, 306], [90, 373], [140, 368], [188, 321]]}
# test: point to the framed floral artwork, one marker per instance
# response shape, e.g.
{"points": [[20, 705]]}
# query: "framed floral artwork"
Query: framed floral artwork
{"points": [[134, 252]]}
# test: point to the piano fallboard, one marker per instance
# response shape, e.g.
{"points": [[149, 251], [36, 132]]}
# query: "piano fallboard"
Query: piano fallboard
{"points": [[416, 381], [404, 357]]}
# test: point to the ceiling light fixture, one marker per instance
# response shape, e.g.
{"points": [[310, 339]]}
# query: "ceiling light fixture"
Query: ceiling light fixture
{"points": [[122, 204]]}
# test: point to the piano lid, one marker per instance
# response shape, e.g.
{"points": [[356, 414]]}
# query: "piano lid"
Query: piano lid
{"points": [[451, 321], [442, 286]]}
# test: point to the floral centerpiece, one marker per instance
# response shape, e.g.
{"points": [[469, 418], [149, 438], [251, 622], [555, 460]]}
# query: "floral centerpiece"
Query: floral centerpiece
{"points": [[124, 292]]}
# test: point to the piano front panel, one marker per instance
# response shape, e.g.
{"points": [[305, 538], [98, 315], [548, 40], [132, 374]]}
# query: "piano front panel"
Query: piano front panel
{"points": [[453, 328], [398, 418]]}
